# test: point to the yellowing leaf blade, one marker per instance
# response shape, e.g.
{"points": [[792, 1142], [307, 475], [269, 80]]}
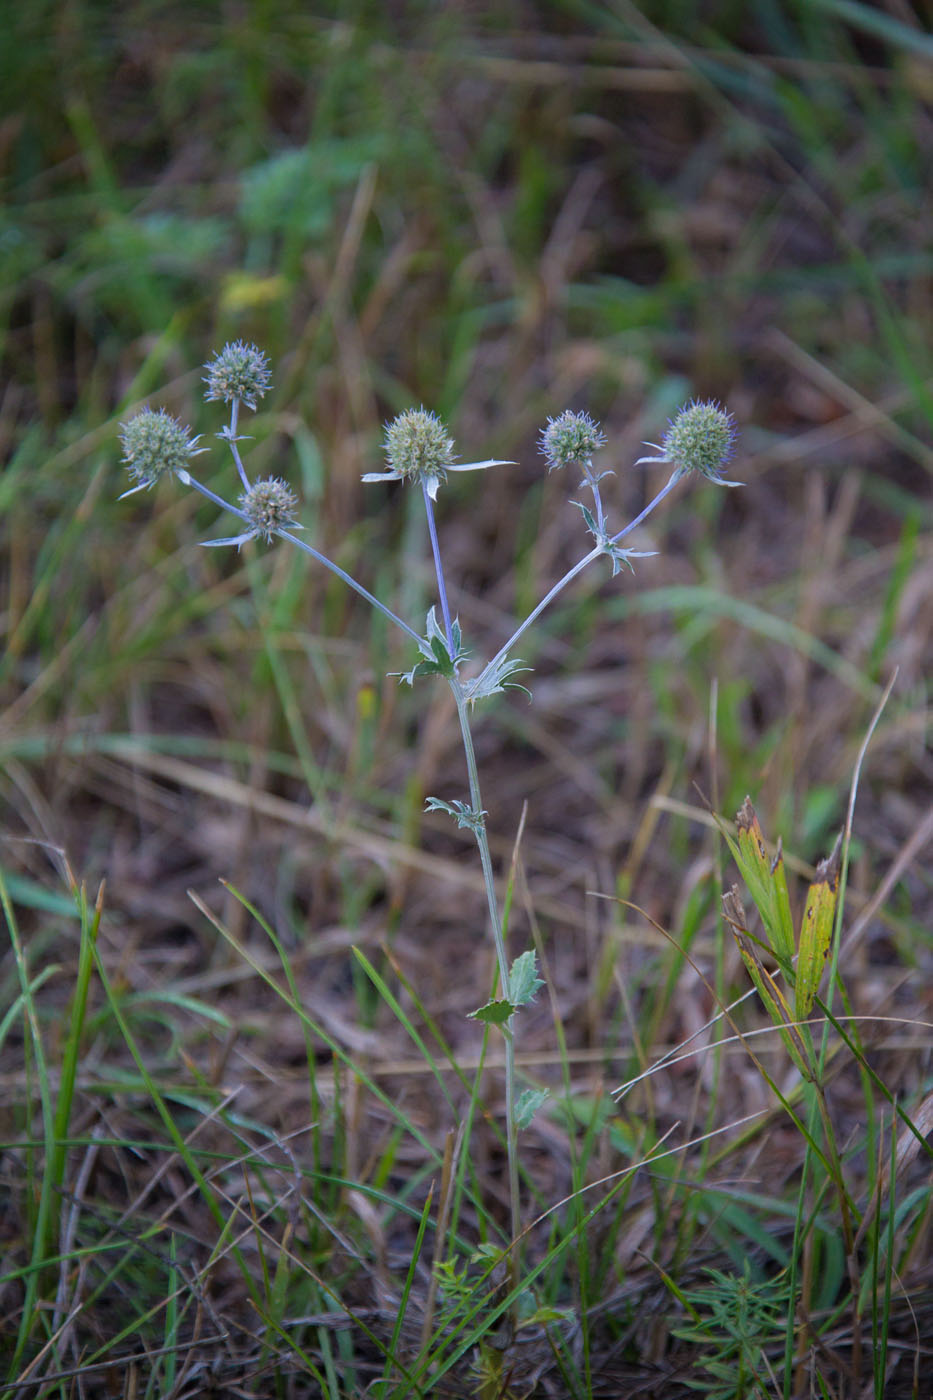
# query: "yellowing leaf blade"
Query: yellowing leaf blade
{"points": [[766, 881], [816, 931], [770, 993]]}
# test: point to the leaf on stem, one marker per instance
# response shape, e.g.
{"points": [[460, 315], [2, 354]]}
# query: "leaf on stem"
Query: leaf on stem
{"points": [[770, 993], [463, 814], [619, 555], [494, 680], [816, 930], [527, 1105], [495, 1013], [433, 647], [524, 982], [766, 881]]}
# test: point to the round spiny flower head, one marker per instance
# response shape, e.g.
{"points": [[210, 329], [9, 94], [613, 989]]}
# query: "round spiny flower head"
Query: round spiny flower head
{"points": [[269, 505], [238, 372], [701, 438], [154, 445], [418, 447], [569, 438]]}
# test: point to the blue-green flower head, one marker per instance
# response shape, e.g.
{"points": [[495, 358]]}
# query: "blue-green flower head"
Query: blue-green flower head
{"points": [[701, 438], [570, 437], [155, 445], [419, 449], [418, 446], [239, 373], [269, 505]]}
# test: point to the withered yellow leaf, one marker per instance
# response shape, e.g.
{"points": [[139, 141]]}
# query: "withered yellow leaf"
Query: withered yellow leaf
{"points": [[816, 931]]}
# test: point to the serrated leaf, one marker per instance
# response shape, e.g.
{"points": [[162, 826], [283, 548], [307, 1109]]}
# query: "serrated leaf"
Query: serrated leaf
{"points": [[441, 655], [816, 931], [494, 1013], [417, 672], [587, 516], [524, 981], [462, 812], [434, 644], [432, 626], [620, 556], [529, 1101], [494, 680]]}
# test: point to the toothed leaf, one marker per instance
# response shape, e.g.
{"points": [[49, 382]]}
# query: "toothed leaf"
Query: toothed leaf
{"points": [[494, 1013], [524, 981], [529, 1101]]}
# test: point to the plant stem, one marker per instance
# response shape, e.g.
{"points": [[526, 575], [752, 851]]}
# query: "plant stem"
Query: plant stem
{"points": [[592, 482], [348, 579], [438, 570], [232, 440], [495, 923], [571, 574]]}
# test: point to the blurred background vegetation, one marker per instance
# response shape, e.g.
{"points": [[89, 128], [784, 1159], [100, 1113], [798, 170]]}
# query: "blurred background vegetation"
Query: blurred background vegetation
{"points": [[496, 211]]}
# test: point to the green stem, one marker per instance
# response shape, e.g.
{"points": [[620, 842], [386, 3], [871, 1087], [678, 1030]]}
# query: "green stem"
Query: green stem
{"points": [[495, 923]]}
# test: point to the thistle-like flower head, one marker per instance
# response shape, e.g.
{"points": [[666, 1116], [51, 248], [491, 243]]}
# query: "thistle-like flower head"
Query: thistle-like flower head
{"points": [[570, 437], [419, 449], [239, 372], [700, 438], [268, 505], [418, 446], [154, 445]]}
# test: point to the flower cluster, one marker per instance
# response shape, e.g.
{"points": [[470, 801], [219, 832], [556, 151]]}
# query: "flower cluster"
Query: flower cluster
{"points": [[418, 446], [269, 505], [239, 373], [155, 445], [419, 449], [570, 437], [700, 438]]}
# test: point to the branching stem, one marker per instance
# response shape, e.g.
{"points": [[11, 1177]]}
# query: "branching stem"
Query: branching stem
{"points": [[571, 574]]}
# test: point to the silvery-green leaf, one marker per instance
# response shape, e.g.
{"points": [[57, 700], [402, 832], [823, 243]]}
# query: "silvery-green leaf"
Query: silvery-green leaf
{"points": [[441, 655], [620, 556], [495, 680], [587, 517], [432, 626], [434, 646], [475, 466], [234, 539], [524, 981], [382, 476], [527, 1105], [462, 812]]}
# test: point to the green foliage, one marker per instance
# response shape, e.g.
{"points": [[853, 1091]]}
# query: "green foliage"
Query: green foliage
{"points": [[433, 647], [736, 1323]]}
